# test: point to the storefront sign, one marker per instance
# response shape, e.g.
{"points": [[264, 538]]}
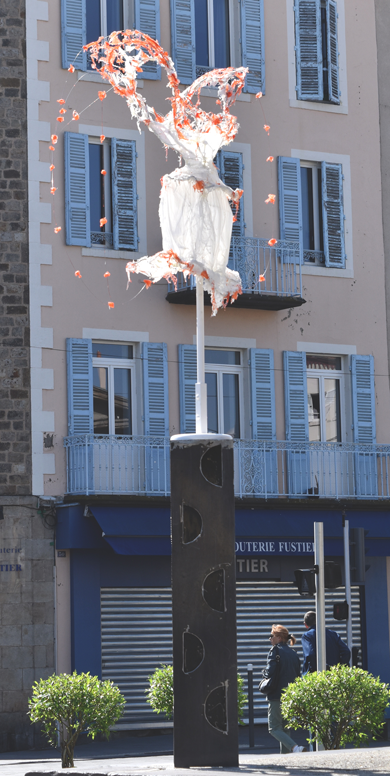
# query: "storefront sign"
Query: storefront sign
{"points": [[6, 558], [274, 547], [258, 568]]}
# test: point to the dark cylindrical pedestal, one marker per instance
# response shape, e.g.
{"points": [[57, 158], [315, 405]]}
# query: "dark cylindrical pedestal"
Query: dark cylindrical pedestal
{"points": [[204, 601]]}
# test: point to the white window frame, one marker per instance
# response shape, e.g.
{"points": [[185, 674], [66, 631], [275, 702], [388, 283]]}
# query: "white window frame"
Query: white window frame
{"points": [[219, 370], [292, 76], [118, 363], [315, 166], [124, 134], [103, 16], [345, 161], [234, 33], [321, 375]]}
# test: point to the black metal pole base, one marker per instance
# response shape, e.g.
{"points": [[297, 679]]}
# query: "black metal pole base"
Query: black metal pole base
{"points": [[204, 601]]}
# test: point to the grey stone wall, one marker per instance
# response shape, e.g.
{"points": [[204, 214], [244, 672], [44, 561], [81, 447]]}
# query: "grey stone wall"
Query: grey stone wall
{"points": [[26, 617], [15, 454]]}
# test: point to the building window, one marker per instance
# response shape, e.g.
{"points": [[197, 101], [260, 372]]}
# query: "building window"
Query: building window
{"points": [[113, 377], [103, 17], [324, 378], [316, 45], [92, 196], [212, 35], [223, 379], [311, 209]]}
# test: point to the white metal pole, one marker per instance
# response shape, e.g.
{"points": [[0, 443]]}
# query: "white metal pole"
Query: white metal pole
{"points": [[320, 601], [200, 387], [347, 574]]}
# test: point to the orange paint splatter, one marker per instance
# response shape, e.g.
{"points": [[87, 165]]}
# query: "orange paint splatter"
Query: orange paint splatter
{"points": [[267, 128], [57, 229], [75, 116], [102, 138], [71, 69], [272, 242], [107, 275], [103, 221], [198, 186], [147, 282], [62, 110], [261, 279], [60, 118], [102, 95], [258, 95], [54, 139], [53, 190], [51, 148], [52, 167], [78, 274], [111, 305], [204, 274], [103, 172], [61, 101], [271, 198], [270, 159]]}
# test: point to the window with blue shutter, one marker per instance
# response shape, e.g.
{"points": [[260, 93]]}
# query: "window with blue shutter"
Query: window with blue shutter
{"points": [[364, 423], [147, 19], [77, 204], [73, 33], [252, 44], [230, 169], [263, 416], [155, 381], [79, 377], [333, 214], [187, 380], [124, 194], [296, 421], [290, 202], [316, 47], [183, 39]]}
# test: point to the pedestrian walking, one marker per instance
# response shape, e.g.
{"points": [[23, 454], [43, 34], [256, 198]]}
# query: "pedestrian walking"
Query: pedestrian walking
{"points": [[284, 667], [337, 650]]}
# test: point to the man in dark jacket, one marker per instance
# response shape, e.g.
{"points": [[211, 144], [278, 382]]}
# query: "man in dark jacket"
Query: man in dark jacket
{"points": [[337, 650]]}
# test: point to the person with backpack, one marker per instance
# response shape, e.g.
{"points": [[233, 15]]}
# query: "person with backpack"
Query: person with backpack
{"points": [[337, 650]]}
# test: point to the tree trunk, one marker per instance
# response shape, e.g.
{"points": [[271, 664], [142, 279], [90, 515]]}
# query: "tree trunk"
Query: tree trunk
{"points": [[67, 750]]}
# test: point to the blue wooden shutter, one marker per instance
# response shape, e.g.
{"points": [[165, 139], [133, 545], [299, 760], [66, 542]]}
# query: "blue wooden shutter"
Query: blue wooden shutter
{"points": [[262, 393], [333, 214], [308, 47], [363, 399], [183, 39], [124, 194], [231, 171], [77, 207], [295, 395], [73, 33], [147, 19], [252, 44], [187, 380], [80, 386], [290, 201], [333, 51], [155, 378]]}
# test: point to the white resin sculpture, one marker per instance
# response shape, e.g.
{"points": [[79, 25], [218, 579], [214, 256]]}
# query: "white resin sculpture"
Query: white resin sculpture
{"points": [[195, 215]]}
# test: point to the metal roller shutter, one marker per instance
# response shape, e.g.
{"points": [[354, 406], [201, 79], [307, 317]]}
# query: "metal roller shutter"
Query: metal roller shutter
{"points": [[136, 626]]}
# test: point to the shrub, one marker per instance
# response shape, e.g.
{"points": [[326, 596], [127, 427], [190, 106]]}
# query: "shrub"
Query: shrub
{"points": [[68, 704], [340, 706], [160, 692]]}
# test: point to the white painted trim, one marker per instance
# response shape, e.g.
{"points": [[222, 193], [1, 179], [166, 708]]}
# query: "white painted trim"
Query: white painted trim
{"points": [[228, 342], [39, 213], [292, 80], [345, 161], [245, 150], [326, 348], [139, 137], [113, 335]]}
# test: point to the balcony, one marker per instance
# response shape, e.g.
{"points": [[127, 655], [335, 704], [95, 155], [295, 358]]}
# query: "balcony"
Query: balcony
{"points": [[134, 466], [251, 257]]}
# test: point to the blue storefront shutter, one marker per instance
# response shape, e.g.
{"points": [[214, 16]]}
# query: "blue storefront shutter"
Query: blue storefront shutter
{"points": [[124, 194], [183, 39], [147, 19], [155, 379], [77, 207], [296, 420], [80, 386], [73, 33], [363, 399], [333, 51], [333, 214], [290, 201], [187, 380], [308, 47], [262, 393], [252, 44]]}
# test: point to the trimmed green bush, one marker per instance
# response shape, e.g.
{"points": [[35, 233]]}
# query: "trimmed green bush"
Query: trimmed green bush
{"points": [[69, 704], [341, 706], [160, 692]]}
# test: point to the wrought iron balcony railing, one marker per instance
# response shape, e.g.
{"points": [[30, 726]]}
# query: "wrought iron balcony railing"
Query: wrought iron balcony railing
{"points": [[139, 465]]}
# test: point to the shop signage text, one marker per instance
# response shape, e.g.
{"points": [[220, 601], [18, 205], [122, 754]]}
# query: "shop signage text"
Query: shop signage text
{"points": [[274, 547], [9, 566]]}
